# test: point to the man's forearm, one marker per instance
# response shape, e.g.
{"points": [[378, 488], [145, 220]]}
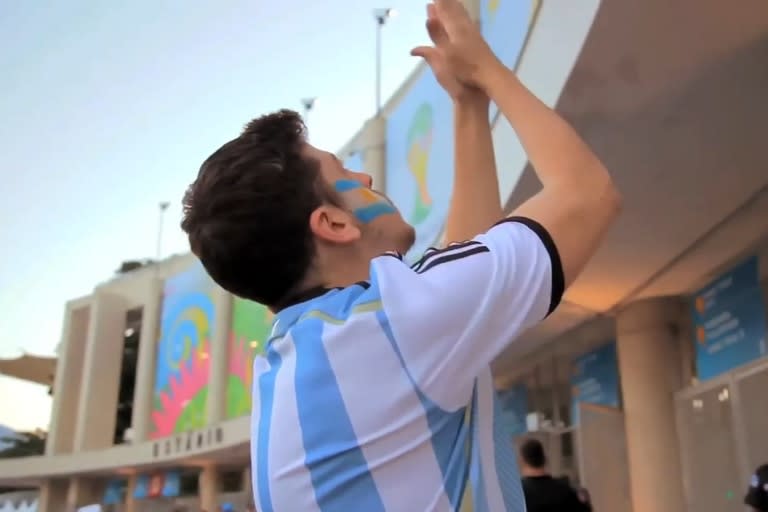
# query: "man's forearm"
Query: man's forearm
{"points": [[475, 204], [579, 201], [558, 155]]}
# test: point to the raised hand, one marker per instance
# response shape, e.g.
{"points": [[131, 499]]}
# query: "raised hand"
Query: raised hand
{"points": [[435, 56], [459, 47]]}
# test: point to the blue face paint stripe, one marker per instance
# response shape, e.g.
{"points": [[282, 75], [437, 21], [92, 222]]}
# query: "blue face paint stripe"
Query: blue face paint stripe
{"points": [[450, 433], [267, 394], [338, 469], [368, 213], [347, 185]]}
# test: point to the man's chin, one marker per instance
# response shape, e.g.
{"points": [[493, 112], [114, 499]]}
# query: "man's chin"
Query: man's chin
{"points": [[407, 241]]}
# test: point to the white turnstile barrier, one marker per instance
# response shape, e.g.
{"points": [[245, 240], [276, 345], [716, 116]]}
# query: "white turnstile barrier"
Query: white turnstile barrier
{"points": [[722, 425], [602, 447]]}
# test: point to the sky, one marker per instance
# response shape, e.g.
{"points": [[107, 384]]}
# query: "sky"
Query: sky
{"points": [[108, 108]]}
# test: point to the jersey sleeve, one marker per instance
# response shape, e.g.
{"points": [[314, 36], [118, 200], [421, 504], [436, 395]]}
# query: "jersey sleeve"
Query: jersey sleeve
{"points": [[456, 309]]}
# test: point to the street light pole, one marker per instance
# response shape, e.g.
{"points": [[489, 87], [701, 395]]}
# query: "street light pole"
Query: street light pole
{"points": [[308, 104], [381, 16], [163, 206]]}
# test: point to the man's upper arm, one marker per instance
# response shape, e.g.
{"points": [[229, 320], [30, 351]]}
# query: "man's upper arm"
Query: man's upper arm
{"points": [[576, 225], [456, 309]]}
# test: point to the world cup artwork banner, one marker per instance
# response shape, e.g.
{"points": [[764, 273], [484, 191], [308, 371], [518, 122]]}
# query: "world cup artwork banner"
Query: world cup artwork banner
{"points": [[505, 24], [182, 363], [419, 156], [251, 325]]}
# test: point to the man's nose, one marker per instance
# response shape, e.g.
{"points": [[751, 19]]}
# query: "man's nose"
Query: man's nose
{"points": [[365, 179]]}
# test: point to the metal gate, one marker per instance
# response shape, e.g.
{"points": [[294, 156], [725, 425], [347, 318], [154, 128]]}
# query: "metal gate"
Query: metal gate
{"points": [[722, 425]]}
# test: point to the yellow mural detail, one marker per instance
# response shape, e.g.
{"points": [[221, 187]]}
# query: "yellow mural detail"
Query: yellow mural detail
{"points": [[419, 147]]}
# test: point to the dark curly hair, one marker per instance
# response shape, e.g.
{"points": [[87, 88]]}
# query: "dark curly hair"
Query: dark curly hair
{"points": [[247, 213]]}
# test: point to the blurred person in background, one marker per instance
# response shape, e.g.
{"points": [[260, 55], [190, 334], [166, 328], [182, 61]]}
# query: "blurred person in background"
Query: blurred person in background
{"points": [[757, 494], [543, 492]]}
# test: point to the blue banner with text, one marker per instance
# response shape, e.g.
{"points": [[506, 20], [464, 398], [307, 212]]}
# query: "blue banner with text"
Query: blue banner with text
{"points": [[595, 379], [514, 409], [729, 321]]}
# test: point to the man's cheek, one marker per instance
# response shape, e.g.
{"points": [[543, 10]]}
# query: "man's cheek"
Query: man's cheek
{"points": [[365, 204]]}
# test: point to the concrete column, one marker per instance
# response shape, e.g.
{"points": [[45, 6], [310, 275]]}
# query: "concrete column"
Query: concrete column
{"points": [[209, 488], [82, 492], [67, 380], [219, 353], [130, 501], [53, 496], [649, 361], [101, 373], [145, 370], [373, 144]]}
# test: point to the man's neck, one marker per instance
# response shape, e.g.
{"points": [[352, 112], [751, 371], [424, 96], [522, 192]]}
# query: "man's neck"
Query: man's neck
{"points": [[535, 472], [314, 285], [339, 270]]}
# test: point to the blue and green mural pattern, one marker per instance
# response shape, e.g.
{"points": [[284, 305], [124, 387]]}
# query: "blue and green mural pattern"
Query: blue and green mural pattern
{"points": [[182, 363]]}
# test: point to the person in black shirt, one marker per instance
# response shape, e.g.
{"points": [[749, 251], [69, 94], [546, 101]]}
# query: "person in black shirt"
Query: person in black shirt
{"points": [[757, 495], [543, 493]]}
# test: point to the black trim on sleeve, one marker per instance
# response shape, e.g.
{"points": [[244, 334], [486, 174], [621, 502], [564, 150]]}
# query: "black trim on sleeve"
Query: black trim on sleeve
{"points": [[558, 277], [453, 256], [433, 254]]}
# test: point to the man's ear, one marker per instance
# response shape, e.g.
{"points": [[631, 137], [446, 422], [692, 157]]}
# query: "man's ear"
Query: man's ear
{"points": [[334, 225]]}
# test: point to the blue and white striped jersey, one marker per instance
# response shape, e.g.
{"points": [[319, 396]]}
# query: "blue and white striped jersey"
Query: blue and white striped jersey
{"points": [[378, 397]]}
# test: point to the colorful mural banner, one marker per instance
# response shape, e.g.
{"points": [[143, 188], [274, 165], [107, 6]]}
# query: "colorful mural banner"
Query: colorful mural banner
{"points": [[729, 321], [505, 24], [419, 157], [595, 379], [182, 363], [141, 488], [251, 325], [156, 484], [114, 492], [171, 484]]}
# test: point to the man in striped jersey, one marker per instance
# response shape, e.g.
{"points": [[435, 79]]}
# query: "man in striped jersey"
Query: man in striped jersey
{"points": [[375, 393]]}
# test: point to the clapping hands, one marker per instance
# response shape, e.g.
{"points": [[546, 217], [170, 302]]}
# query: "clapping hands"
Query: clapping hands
{"points": [[460, 57]]}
